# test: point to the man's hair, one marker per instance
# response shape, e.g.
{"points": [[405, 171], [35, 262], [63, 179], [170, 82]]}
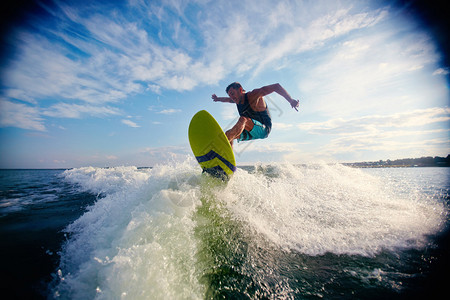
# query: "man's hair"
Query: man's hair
{"points": [[234, 85]]}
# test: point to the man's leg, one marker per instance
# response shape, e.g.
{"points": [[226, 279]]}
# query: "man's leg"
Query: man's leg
{"points": [[236, 130]]}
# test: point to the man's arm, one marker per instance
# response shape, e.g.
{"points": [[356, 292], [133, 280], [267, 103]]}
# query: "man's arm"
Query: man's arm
{"points": [[277, 88], [221, 99]]}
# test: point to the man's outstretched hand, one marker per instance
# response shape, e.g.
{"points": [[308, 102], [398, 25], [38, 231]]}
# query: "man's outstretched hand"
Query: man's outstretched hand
{"points": [[295, 104]]}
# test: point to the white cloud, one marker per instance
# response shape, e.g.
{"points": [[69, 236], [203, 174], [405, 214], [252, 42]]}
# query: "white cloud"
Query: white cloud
{"points": [[154, 88], [169, 111], [313, 35], [370, 74], [29, 117], [130, 123], [392, 142], [59, 161], [76, 111], [19, 95], [104, 58], [373, 123], [389, 133], [20, 115], [282, 126], [441, 71]]}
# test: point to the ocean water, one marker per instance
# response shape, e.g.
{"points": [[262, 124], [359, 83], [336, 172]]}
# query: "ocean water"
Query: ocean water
{"points": [[278, 231]]}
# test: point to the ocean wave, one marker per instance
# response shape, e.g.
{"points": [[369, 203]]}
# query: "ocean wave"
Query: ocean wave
{"points": [[171, 232]]}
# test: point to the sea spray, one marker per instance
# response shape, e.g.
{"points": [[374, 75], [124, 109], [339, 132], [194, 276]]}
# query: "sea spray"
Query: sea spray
{"points": [[272, 231], [323, 208], [134, 242], [233, 262]]}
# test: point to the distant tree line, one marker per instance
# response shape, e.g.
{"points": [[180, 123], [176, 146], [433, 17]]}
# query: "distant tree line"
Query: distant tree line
{"points": [[427, 161]]}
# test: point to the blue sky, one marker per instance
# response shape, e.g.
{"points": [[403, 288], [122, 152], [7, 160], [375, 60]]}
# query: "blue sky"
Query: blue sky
{"points": [[107, 83]]}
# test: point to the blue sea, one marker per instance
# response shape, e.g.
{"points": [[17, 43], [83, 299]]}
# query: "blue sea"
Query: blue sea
{"points": [[278, 231]]}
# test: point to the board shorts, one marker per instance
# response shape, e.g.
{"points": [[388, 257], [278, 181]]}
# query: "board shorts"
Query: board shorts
{"points": [[259, 131]]}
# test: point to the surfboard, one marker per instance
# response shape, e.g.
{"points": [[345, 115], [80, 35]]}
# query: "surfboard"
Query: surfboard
{"points": [[211, 146]]}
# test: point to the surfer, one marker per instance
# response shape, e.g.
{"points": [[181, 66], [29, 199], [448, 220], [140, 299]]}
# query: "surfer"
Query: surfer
{"points": [[254, 117]]}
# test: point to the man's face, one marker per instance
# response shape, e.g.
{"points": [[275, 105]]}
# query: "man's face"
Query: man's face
{"points": [[234, 94]]}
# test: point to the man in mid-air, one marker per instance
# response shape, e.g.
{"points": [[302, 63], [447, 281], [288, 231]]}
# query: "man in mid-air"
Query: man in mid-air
{"points": [[254, 121]]}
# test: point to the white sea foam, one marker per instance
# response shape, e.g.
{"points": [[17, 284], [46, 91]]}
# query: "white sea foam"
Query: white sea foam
{"points": [[134, 242], [322, 208], [138, 240]]}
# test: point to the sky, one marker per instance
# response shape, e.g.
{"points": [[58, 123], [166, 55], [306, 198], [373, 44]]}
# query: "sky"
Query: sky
{"points": [[116, 83]]}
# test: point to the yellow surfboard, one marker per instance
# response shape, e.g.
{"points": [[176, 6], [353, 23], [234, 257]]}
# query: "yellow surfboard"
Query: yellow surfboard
{"points": [[210, 146]]}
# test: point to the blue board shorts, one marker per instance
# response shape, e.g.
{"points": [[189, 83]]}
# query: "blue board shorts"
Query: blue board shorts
{"points": [[259, 131]]}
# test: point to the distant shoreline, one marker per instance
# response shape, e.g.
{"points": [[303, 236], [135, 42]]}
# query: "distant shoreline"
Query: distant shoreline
{"points": [[427, 161]]}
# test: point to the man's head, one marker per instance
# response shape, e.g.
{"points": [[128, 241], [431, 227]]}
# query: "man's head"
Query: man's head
{"points": [[234, 85], [235, 92]]}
